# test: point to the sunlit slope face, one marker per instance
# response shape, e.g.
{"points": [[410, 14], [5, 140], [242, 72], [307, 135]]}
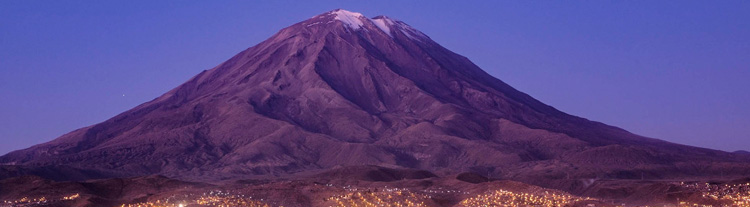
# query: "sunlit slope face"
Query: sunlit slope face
{"points": [[341, 89]]}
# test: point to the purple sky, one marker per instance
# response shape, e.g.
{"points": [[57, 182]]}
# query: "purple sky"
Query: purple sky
{"points": [[677, 71]]}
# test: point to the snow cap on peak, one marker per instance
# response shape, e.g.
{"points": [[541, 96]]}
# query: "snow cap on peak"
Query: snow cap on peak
{"points": [[357, 21], [351, 19]]}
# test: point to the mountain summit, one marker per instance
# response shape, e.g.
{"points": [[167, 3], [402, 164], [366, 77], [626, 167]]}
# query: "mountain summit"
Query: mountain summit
{"points": [[341, 89]]}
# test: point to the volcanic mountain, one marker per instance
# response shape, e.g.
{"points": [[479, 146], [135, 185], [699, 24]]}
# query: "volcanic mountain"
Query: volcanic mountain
{"points": [[341, 89]]}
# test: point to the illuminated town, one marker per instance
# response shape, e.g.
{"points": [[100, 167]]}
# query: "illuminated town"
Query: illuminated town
{"points": [[373, 197], [211, 198], [724, 194], [40, 201], [379, 197], [508, 198], [383, 198], [697, 195]]}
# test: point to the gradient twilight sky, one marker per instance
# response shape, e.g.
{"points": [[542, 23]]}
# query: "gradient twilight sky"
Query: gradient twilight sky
{"points": [[673, 70]]}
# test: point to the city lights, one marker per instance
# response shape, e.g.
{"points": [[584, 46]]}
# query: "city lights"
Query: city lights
{"points": [[210, 198], [396, 198], [704, 195], [728, 195], [40, 201], [508, 198]]}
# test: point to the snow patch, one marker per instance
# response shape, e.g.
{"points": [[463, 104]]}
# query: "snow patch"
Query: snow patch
{"points": [[411, 32], [384, 24], [410, 36], [351, 19], [311, 24]]}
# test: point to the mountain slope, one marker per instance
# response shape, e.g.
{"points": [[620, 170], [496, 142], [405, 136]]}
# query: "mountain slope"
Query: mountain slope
{"points": [[342, 89]]}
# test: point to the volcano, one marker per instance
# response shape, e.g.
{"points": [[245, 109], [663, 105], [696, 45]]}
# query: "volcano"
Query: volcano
{"points": [[341, 89]]}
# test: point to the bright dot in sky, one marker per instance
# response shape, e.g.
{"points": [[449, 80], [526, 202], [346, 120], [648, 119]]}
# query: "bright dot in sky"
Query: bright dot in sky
{"points": [[123, 94]]}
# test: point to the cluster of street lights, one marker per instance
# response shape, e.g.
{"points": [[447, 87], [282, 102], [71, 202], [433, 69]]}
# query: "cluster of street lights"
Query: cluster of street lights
{"points": [[211, 198], [40, 201], [381, 198], [508, 198]]}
